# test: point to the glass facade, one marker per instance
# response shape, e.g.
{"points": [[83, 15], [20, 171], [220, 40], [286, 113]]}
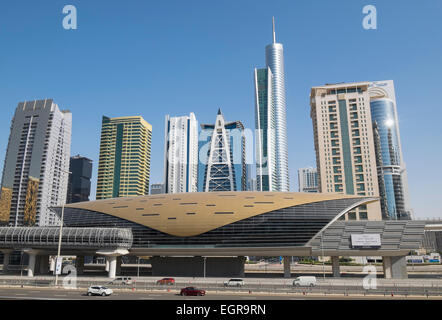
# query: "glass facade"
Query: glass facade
{"points": [[223, 168], [386, 137], [292, 226]]}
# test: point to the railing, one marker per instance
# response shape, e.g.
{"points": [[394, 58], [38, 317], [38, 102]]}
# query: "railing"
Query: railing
{"points": [[72, 237]]}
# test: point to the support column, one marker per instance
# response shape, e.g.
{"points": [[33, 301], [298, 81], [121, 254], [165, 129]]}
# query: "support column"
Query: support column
{"points": [[107, 265], [118, 269], [335, 267], [398, 267], [287, 272], [31, 264], [79, 265], [112, 266], [6, 256], [44, 264], [52, 265], [386, 263]]}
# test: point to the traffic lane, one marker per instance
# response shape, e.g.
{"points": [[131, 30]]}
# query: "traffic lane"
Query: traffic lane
{"points": [[61, 294]]}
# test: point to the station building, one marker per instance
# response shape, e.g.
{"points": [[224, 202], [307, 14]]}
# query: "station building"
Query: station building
{"points": [[196, 234]]}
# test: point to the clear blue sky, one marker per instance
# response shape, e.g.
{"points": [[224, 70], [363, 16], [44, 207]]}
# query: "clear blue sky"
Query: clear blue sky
{"points": [[153, 58]]}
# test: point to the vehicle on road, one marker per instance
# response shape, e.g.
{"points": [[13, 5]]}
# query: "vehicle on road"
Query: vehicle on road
{"points": [[167, 281], [122, 280], [99, 291], [192, 291], [304, 281], [234, 283]]}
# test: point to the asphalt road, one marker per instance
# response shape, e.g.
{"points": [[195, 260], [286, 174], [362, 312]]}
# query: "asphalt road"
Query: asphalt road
{"points": [[64, 294]]}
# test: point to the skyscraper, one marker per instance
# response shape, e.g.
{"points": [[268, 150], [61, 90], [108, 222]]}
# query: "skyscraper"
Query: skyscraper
{"points": [[79, 187], [222, 165], [35, 173], [345, 151], [181, 154], [270, 121], [124, 163], [390, 165], [156, 188], [308, 180]]}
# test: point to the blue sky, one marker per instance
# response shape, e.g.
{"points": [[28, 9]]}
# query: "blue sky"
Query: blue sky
{"points": [[153, 58]]}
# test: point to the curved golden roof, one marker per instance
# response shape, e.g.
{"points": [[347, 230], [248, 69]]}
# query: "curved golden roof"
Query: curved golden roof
{"points": [[191, 214]]}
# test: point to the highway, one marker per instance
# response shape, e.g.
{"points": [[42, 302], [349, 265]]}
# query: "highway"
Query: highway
{"points": [[65, 294]]}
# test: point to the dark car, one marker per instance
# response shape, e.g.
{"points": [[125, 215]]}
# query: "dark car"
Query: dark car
{"points": [[168, 281], [192, 291]]}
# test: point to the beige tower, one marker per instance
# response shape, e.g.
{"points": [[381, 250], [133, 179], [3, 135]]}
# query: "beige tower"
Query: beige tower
{"points": [[344, 145]]}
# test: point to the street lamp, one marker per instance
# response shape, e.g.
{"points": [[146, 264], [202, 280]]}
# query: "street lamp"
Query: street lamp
{"points": [[59, 235]]}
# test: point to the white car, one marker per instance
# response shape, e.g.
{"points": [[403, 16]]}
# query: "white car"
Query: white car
{"points": [[122, 280], [234, 283], [99, 291], [304, 281]]}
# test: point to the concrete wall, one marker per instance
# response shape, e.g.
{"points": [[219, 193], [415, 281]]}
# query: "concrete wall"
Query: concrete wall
{"points": [[194, 266]]}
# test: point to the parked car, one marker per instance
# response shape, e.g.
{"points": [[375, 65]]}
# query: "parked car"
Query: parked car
{"points": [[192, 291], [234, 283], [168, 281], [122, 280], [304, 281], [99, 291]]}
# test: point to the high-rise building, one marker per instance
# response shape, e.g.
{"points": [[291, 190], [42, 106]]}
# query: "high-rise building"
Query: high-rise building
{"points": [[308, 180], [391, 169], [35, 173], [79, 187], [272, 172], [124, 163], [344, 145], [222, 165], [156, 188], [181, 154]]}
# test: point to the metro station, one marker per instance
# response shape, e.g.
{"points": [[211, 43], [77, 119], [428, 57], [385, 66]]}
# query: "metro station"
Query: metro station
{"points": [[196, 234]]}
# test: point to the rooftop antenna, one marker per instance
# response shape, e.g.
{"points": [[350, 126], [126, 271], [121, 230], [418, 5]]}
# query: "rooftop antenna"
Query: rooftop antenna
{"points": [[274, 34]]}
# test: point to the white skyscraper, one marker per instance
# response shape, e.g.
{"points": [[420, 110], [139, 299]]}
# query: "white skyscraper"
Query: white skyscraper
{"points": [[181, 154], [271, 124], [308, 180], [35, 174]]}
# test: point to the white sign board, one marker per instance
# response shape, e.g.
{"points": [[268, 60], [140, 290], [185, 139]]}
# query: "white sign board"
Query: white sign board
{"points": [[366, 240], [58, 265]]}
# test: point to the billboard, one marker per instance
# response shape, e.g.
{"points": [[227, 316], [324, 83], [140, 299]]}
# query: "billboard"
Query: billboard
{"points": [[366, 240]]}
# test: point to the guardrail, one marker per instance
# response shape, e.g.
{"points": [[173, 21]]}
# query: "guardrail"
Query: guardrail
{"points": [[321, 290]]}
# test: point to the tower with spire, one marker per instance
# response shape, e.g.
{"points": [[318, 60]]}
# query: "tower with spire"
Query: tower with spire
{"points": [[222, 165], [272, 172]]}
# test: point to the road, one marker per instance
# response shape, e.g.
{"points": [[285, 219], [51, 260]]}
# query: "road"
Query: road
{"points": [[64, 294]]}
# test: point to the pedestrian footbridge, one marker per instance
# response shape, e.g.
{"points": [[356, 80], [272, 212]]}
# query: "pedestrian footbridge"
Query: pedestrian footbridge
{"points": [[41, 242]]}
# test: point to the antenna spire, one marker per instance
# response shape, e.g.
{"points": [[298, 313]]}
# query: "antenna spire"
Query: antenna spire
{"points": [[274, 34]]}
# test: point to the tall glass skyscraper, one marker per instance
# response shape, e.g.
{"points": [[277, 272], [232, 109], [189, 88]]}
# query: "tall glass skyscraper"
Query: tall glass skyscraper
{"points": [[390, 165], [270, 121], [222, 165], [79, 187]]}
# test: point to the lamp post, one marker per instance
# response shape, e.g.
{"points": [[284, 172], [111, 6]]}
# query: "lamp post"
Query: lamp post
{"points": [[138, 272], [59, 235], [322, 247]]}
